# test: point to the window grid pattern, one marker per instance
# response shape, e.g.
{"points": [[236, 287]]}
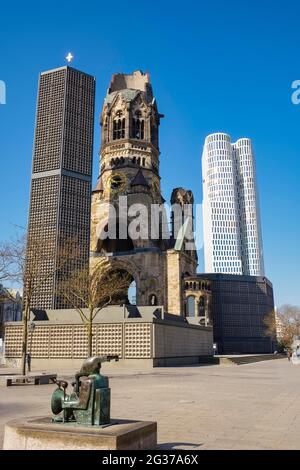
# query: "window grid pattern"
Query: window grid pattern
{"points": [[239, 307], [138, 128], [118, 129], [232, 236], [249, 211], [43, 227], [60, 204], [61, 341], [109, 339], [79, 123], [13, 341], [70, 341], [49, 121], [138, 340], [39, 348]]}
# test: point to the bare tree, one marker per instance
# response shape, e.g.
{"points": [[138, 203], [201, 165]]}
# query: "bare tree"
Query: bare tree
{"points": [[29, 262], [5, 263], [271, 325], [283, 325], [89, 291], [7, 273]]}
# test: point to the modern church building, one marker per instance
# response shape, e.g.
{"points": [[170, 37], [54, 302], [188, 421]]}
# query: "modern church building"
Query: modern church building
{"points": [[60, 197], [239, 307], [231, 219]]}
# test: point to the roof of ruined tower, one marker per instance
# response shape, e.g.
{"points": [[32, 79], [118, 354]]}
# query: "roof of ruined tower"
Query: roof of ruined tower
{"points": [[134, 81], [139, 180], [130, 85], [99, 186]]}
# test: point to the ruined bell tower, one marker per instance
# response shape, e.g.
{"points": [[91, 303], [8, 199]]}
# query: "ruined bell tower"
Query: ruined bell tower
{"points": [[128, 189]]}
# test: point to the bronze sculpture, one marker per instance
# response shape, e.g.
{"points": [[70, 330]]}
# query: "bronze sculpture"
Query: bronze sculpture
{"points": [[89, 403]]}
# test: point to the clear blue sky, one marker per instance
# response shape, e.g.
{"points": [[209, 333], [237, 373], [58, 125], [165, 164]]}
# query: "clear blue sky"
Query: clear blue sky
{"points": [[215, 66]]}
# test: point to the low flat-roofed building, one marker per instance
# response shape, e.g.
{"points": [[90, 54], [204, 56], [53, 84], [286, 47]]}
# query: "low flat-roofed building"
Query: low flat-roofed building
{"points": [[239, 306], [10, 307]]}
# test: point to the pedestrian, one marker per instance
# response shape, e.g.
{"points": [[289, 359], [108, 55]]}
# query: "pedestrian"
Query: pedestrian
{"points": [[28, 358], [289, 354]]}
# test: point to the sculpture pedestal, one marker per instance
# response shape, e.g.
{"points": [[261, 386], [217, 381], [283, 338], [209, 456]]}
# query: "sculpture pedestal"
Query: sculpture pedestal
{"points": [[41, 434]]}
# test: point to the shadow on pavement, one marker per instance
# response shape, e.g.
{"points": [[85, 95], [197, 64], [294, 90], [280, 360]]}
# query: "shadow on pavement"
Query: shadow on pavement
{"points": [[175, 445]]}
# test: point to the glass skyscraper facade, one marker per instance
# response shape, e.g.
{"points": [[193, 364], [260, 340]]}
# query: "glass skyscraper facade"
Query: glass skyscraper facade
{"points": [[231, 219]]}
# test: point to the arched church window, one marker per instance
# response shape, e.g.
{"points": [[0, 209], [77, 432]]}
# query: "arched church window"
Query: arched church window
{"points": [[132, 293], [201, 307], [118, 129], [137, 128], [152, 300], [191, 306]]}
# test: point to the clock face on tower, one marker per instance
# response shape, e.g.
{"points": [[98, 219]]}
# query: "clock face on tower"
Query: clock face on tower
{"points": [[117, 182]]}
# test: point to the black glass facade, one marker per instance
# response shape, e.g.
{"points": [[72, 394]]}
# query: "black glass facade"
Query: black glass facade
{"points": [[238, 308]]}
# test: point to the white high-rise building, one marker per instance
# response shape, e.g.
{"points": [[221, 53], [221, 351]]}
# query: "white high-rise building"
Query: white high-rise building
{"points": [[231, 219]]}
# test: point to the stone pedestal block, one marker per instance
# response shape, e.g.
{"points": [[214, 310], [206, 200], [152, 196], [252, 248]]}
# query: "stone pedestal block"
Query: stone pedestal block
{"points": [[41, 434]]}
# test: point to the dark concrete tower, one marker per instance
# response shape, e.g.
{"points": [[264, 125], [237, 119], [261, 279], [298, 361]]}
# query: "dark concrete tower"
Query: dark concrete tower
{"points": [[61, 174]]}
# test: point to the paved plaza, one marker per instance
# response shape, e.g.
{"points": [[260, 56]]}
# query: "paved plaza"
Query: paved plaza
{"points": [[253, 406]]}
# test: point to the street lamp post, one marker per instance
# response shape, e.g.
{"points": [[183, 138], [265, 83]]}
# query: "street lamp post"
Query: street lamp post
{"points": [[31, 328]]}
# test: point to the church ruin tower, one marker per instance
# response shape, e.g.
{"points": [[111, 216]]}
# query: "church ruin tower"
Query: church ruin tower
{"points": [[128, 189]]}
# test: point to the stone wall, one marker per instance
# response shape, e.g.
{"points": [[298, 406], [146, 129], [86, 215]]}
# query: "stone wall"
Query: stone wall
{"points": [[176, 344], [157, 342]]}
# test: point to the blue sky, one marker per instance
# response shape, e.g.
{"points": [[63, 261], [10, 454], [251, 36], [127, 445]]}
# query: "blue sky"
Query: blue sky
{"points": [[215, 66]]}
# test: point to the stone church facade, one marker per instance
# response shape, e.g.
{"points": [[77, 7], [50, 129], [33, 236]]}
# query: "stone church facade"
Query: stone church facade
{"points": [[129, 173]]}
